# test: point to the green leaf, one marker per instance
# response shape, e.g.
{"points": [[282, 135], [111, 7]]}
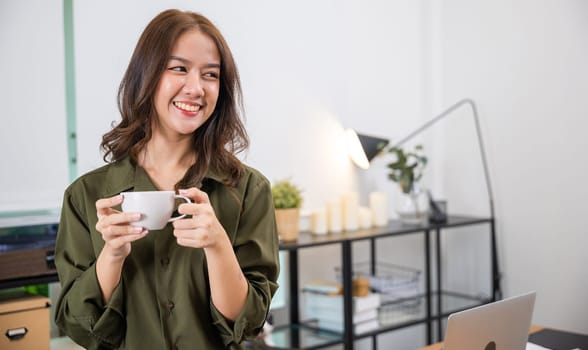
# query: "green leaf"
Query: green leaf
{"points": [[286, 195], [407, 168]]}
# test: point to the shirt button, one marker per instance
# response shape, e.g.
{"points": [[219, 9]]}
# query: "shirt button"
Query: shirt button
{"points": [[164, 261], [170, 305]]}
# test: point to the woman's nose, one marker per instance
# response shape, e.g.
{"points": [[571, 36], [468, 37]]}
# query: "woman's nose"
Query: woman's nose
{"points": [[193, 85]]}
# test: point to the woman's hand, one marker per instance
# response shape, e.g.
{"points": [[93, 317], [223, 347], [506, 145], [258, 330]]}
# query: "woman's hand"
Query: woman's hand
{"points": [[118, 235], [202, 230], [228, 286], [115, 228]]}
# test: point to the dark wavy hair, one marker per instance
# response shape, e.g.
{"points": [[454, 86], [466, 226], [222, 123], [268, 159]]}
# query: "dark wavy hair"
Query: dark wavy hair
{"points": [[218, 140]]}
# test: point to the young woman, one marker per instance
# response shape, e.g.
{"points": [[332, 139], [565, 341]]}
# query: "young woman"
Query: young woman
{"points": [[205, 281]]}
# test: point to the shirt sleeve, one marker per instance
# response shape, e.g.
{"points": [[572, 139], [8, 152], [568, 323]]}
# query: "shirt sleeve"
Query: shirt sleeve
{"points": [[81, 312], [256, 247]]}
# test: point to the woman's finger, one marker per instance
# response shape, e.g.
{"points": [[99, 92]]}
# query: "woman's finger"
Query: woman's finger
{"points": [[196, 209], [191, 242], [117, 218], [186, 224], [111, 232], [124, 239], [195, 194], [188, 208], [103, 204]]}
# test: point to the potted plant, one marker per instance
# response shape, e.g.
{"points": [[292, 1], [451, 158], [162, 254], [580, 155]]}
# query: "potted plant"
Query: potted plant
{"points": [[406, 170], [287, 199]]}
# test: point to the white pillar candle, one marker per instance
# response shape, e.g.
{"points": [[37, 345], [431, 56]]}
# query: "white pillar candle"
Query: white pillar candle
{"points": [[350, 208], [379, 208], [318, 222], [334, 220], [365, 217]]}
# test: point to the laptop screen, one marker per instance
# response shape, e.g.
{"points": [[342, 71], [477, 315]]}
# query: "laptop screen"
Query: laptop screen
{"points": [[501, 325]]}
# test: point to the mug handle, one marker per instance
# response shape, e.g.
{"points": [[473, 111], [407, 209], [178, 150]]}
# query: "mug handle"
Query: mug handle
{"points": [[177, 196]]}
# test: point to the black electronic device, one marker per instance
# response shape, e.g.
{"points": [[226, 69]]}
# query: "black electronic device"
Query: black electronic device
{"points": [[437, 210], [27, 254]]}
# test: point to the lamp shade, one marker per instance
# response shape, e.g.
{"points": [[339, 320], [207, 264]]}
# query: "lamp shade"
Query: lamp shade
{"points": [[363, 148]]}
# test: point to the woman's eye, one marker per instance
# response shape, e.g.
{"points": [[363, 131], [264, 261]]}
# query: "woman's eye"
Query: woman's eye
{"points": [[212, 75], [178, 69]]}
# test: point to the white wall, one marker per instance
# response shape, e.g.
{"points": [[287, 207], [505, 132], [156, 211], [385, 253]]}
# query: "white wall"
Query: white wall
{"points": [[311, 68], [525, 62], [33, 148]]}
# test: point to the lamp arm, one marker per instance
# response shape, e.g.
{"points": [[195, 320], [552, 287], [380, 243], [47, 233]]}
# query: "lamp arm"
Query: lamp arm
{"points": [[479, 134]]}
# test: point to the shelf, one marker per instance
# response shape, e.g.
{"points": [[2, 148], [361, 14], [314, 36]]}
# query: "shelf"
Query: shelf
{"points": [[428, 309], [308, 336], [400, 315], [394, 228]]}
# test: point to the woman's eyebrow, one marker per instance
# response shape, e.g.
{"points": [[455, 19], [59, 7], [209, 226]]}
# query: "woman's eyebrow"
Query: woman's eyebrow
{"points": [[188, 62], [181, 59]]}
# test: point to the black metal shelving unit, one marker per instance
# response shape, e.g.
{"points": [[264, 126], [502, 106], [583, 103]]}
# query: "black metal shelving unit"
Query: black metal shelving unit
{"points": [[438, 303]]}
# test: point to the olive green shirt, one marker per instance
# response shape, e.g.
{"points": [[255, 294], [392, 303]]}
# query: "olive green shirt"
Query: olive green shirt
{"points": [[163, 299]]}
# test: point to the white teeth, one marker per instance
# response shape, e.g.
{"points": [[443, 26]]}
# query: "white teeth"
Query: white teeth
{"points": [[187, 107]]}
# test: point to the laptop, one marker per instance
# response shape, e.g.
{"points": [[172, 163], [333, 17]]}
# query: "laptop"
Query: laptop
{"points": [[501, 325]]}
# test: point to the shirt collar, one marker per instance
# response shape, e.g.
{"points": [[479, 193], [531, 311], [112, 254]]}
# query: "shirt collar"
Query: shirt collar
{"points": [[124, 176]]}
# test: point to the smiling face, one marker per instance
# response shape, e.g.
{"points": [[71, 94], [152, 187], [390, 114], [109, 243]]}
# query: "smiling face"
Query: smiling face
{"points": [[188, 89]]}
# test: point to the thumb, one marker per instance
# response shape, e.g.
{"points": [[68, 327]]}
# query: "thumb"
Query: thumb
{"points": [[195, 194]]}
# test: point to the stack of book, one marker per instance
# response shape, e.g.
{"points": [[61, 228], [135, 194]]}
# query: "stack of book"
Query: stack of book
{"points": [[323, 301]]}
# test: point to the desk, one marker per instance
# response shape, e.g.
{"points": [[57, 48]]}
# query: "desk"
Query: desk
{"points": [[439, 346]]}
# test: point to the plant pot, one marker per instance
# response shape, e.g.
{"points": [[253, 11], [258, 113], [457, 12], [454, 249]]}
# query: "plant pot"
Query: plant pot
{"points": [[412, 208], [287, 221]]}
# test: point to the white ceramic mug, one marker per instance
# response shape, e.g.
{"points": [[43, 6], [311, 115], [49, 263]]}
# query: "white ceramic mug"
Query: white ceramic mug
{"points": [[156, 207]]}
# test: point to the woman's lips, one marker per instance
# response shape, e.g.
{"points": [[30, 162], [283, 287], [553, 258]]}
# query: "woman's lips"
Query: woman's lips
{"points": [[193, 108]]}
